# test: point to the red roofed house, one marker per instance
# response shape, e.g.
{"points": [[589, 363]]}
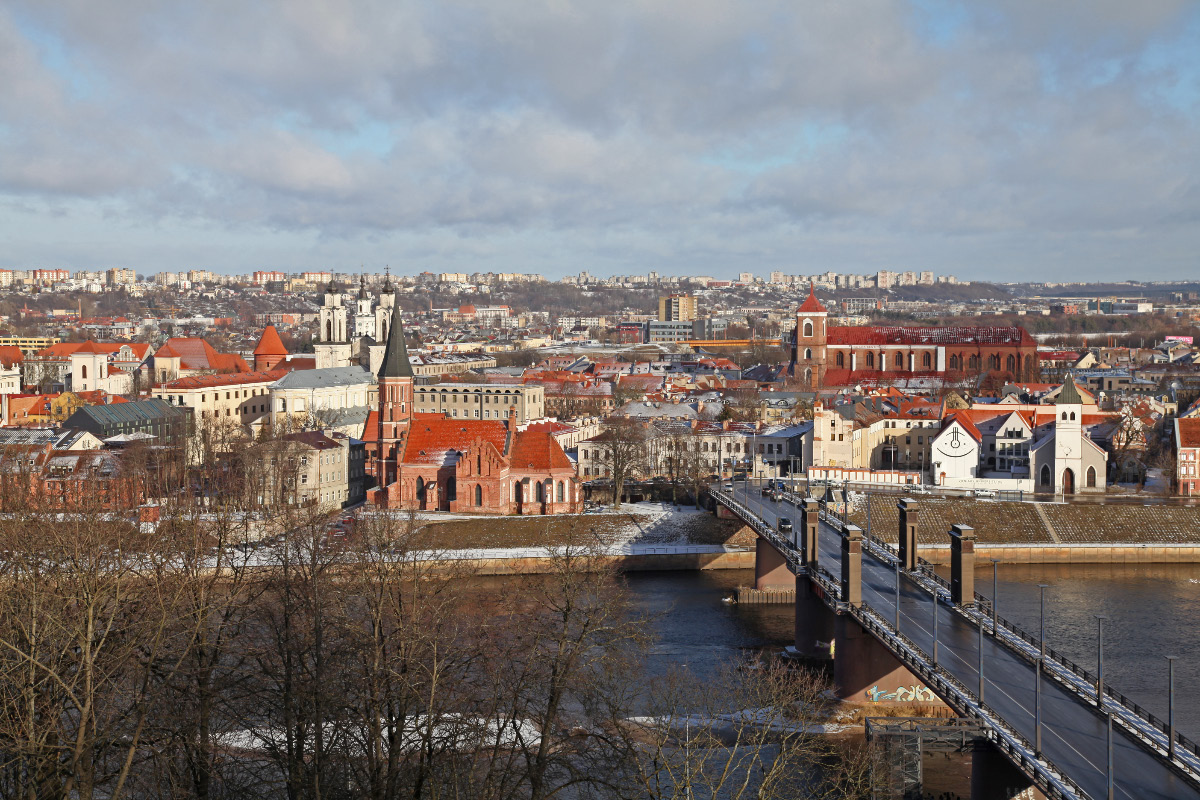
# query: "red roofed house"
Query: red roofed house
{"points": [[439, 463], [182, 357], [830, 356], [1187, 455]]}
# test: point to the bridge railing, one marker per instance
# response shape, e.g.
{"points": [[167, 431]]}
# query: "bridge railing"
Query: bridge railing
{"points": [[1087, 680]]}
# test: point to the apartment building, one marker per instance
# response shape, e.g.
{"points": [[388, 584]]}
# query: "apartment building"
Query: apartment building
{"points": [[523, 404]]}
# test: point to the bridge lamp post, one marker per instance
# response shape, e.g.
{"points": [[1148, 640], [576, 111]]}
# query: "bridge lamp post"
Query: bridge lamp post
{"points": [[897, 596], [1037, 706], [1110, 758], [1042, 618], [935, 629], [995, 596], [981, 657], [1171, 707], [1100, 660]]}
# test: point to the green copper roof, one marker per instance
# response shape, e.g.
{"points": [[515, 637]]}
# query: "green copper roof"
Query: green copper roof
{"points": [[1069, 394]]}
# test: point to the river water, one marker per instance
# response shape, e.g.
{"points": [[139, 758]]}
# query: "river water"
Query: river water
{"points": [[1153, 611]]}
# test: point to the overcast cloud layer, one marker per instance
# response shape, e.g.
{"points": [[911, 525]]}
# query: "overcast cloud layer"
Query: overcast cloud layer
{"points": [[1010, 140]]}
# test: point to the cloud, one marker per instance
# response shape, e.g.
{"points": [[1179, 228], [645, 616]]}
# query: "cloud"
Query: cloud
{"points": [[655, 134]]}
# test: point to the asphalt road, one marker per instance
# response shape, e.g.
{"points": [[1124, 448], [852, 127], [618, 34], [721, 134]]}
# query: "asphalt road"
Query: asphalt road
{"points": [[1074, 735]]}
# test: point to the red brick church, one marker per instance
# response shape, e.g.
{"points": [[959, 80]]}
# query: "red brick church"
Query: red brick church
{"points": [[430, 462], [843, 356]]}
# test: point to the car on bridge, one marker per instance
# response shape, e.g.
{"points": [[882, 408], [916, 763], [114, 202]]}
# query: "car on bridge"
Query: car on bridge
{"points": [[784, 525]]}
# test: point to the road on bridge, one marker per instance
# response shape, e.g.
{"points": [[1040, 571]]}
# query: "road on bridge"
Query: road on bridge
{"points": [[1074, 734]]}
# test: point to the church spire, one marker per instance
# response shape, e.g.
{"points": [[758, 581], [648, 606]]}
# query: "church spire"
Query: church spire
{"points": [[395, 356]]}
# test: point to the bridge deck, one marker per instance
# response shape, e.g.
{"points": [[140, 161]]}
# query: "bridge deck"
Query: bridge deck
{"points": [[1074, 733]]}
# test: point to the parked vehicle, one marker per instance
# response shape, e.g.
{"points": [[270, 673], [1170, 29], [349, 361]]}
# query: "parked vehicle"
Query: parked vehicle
{"points": [[915, 488], [984, 493], [728, 486], [784, 525]]}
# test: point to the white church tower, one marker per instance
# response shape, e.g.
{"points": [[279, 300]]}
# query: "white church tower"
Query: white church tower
{"points": [[364, 315], [1068, 438], [333, 341]]}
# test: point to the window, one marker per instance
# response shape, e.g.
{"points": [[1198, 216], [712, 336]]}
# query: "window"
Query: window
{"points": [[561, 491], [899, 360], [478, 495], [841, 359], [870, 359], [926, 361], [1091, 477], [83, 371], [808, 329]]}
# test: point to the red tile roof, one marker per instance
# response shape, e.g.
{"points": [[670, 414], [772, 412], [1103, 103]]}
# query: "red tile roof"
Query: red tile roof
{"points": [[812, 305], [892, 334], [966, 423], [11, 354], [63, 350], [535, 448], [1189, 432], [438, 440], [270, 344], [234, 379], [195, 353]]}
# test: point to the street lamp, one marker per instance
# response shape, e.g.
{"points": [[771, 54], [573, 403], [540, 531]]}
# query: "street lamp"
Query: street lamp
{"points": [[897, 597], [1042, 587], [1171, 706], [981, 657], [1037, 706], [1100, 660], [935, 629], [995, 596]]}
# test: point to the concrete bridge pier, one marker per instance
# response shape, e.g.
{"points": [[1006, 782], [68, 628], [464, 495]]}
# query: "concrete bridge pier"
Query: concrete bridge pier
{"points": [[770, 568], [994, 777], [864, 670], [815, 621], [810, 521], [907, 549], [962, 565]]}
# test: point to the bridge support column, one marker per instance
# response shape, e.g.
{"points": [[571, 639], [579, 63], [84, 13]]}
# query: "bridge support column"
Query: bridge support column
{"points": [[864, 671], [908, 534], [724, 513], [814, 620], [993, 777], [852, 564], [962, 565], [810, 521], [770, 568]]}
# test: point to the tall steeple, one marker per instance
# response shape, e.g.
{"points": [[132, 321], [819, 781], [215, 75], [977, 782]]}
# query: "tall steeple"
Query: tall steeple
{"points": [[395, 404]]}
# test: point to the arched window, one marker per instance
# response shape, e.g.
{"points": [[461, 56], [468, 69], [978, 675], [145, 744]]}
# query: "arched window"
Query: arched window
{"points": [[808, 354], [329, 330], [1010, 364], [926, 361], [955, 362], [870, 359], [1028, 364], [808, 329], [478, 464], [1045, 476], [561, 492], [993, 361], [1064, 416], [1072, 416], [1091, 477], [420, 488], [974, 362], [841, 359], [899, 360], [541, 492], [808, 377], [478, 495], [83, 371]]}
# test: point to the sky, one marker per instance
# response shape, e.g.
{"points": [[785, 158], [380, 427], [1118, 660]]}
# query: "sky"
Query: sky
{"points": [[1005, 140]]}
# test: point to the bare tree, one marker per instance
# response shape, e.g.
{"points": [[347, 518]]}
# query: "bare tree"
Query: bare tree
{"points": [[621, 452]]}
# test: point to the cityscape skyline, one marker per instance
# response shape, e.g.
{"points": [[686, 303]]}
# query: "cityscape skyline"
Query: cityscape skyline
{"points": [[1011, 141]]}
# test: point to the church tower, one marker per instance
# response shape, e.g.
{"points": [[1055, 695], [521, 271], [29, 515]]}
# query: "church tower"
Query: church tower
{"points": [[808, 358], [333, 342], [1068, 438], [395, 401], [364, 315]]}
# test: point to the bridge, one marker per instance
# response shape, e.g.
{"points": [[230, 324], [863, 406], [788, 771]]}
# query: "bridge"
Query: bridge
{"points": [[904, 635]]}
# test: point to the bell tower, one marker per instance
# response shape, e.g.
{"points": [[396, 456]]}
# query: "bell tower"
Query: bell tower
{"points": [[808, 358], [395, 402], [333, 341]]}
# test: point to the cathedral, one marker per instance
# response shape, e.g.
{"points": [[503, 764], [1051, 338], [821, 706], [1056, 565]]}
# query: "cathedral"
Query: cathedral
{"points": [[825, 356], [344, 340]]}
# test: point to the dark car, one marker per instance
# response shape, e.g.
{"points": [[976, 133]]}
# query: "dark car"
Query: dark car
{"points": [[784, 525]]}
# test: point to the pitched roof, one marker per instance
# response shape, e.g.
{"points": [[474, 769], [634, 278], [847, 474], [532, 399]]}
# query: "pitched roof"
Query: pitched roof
{"points": [[166, 351], [894, 334], [1069, 393], [967, 425], [195, 353], [395, 355], [235, 379], [270, 344], [438, 440], [811, 304], [536, 448], [62, 350], [321, 378], [1188, 430], [10, 354]]}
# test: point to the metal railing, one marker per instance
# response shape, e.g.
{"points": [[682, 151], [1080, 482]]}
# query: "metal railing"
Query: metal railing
{"points": [[1156, 737]]}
